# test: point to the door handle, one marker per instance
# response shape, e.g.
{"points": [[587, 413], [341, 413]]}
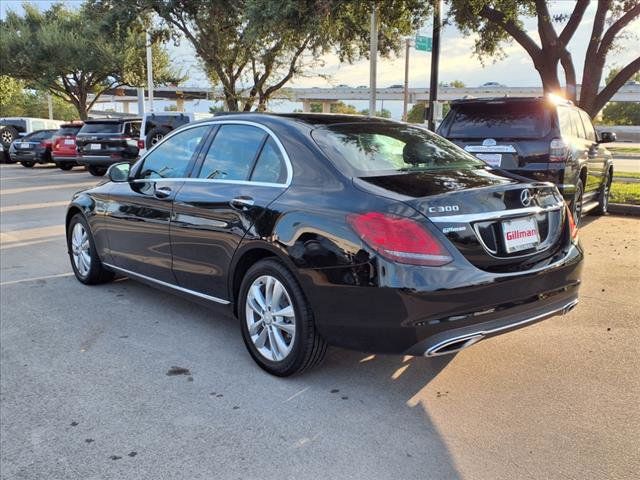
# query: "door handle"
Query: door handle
{"points": [[162, 192], [241, 203]]}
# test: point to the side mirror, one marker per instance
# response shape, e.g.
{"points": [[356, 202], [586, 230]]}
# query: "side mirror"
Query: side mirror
{"points": [[608, 137], [119, 172]]}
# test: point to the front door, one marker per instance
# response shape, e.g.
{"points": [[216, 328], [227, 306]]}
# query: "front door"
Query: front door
{"points": [[243, 171], [139, 213]]}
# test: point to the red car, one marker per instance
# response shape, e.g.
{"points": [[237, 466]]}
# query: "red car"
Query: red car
{"points": [[64, 152]]}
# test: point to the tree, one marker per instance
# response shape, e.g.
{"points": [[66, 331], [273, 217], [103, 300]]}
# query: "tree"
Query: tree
{"points": [[341, 107], [254, 47], [416, 114], [499, 22], [457, 84], [621, 113], [76, 53], [16, 101]]}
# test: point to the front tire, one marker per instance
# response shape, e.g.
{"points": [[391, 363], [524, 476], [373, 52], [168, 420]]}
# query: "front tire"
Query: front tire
{"points": [[97, 171], [85, 262], [27, 164], [603, 202], [277, 322]]}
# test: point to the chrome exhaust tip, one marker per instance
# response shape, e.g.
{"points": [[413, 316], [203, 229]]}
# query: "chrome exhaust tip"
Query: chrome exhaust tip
{"points": [[453, 345]]}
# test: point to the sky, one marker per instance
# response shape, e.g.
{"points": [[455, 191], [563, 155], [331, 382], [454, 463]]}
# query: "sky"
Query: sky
{"points": [[457, 61]]}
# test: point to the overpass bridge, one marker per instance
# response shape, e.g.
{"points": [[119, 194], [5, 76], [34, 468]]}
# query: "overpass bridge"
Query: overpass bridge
{"points": [[327, 96]]}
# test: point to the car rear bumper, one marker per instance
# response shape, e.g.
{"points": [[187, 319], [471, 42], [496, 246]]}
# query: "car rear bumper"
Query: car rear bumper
{"points": [[18, 156], [421, 310], [65, 159]]}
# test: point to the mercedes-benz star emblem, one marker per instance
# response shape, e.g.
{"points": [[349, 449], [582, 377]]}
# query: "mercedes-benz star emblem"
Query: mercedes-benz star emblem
{"points": [[525, 197]]}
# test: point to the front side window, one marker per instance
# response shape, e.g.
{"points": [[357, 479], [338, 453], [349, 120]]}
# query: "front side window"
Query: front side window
{"points": [[171, 158], [367, 149], [232, 152]]}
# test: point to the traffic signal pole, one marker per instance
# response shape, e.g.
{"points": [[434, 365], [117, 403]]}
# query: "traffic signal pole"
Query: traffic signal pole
{"points": [[435, 56]]}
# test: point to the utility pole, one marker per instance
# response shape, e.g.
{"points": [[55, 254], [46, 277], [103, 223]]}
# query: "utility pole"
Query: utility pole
{"points": [[405, 101], [435, 54], [149, 71], [50, 105], [373, 57]]}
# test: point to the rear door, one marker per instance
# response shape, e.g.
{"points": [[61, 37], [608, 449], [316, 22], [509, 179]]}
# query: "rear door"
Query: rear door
{"points": [[597, 156], [243, 169], [139, 212]]}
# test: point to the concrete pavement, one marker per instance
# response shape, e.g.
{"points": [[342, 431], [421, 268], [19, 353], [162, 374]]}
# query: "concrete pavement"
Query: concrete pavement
{"points": [[84, 390]]}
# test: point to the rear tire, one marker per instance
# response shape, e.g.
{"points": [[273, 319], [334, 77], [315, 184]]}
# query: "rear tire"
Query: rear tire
{"points": [[27, 164], [605, 191], [297, 345], [576, 203], [64, 166], [97, 171], [85, 262]]}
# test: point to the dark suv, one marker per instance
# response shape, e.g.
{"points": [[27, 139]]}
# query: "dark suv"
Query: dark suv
{"points": [[545, 139], [103, 142]]}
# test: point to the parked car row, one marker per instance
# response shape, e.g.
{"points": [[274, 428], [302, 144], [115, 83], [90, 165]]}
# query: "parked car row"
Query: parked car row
{"points": [[95, 143]]}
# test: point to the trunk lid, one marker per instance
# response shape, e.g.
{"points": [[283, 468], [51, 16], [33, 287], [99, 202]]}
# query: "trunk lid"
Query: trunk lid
{"points": [[498, 223]]}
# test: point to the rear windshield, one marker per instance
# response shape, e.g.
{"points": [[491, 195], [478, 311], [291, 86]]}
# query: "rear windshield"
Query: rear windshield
{"points": [[106, 127], [65, 131], [500, 120], [368, 149], [39, 135], [167, 121]]}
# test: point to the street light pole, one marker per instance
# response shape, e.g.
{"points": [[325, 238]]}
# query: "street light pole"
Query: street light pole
{"points": [[373, 57], [405, 100], [149, 71], [435, 54]]}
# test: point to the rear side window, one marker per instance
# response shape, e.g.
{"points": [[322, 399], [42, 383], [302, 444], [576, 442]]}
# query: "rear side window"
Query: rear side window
{"points": [[106, 127], [132, 129], [500, 120], [232, 152], [171, 158], [577, 123], [168, 121], [270, 167], [588, 126]]}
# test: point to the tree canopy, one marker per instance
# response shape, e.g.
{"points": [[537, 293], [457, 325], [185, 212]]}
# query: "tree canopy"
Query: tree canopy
{"points": [[73, 53], [499, 22], [621, 113], [252, 48]]}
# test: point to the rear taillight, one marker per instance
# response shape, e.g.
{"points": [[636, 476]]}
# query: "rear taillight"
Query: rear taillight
{"points": [[46, 143], [399, 239], [141, 144], [558, 150], [573, 228]]}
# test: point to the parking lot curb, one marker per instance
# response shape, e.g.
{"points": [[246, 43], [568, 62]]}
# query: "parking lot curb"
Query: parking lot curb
{"points": [[624, 209]]}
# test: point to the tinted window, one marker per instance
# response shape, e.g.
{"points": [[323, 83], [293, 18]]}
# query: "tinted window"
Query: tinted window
{"points": [[170, 158], [169, 121], [588, 126], [37, 136], [270, 166], [106, 127], [68, 131], [577, 124], [500, 120], [232, 152], [132, 129], [364, 149]]}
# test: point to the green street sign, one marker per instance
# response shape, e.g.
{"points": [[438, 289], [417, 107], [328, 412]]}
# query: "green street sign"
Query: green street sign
{"points": [[423, 43]]}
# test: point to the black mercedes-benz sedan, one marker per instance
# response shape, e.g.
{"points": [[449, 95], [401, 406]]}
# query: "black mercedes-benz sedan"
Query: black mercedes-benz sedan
{"points": [[339, 230]]}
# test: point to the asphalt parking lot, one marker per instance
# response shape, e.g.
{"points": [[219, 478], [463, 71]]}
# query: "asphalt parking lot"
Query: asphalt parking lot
{"points": [[85, 394]]}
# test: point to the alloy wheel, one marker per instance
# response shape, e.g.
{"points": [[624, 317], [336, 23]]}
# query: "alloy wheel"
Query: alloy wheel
{"points": [[606, 191], [270, 318], [577, 207], [80, 249], [156, 138], [7, 137]]}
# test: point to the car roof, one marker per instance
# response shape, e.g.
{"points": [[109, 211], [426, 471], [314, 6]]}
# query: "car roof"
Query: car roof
{"points": [[112, 120], [309, 119]]}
